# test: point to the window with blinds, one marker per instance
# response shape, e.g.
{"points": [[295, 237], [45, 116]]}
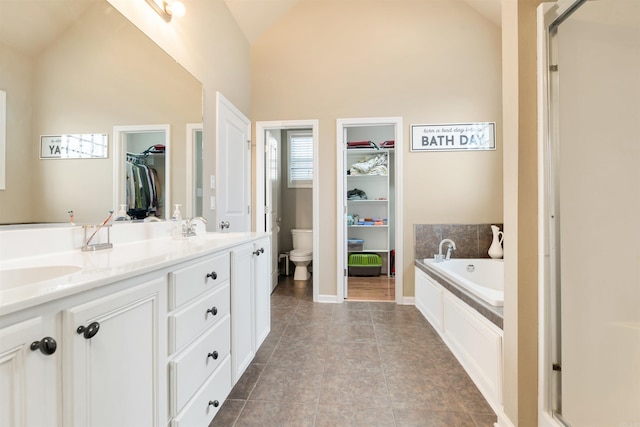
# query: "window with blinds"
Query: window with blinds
{"points": [[300, 150]]}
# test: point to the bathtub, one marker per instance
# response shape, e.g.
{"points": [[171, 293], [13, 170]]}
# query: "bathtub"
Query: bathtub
{"points": [[483, 277]]}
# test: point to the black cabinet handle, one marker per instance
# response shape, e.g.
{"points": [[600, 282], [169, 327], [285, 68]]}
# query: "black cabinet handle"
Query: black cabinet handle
{"points": [[259, 251], [213, 310], [46, 345], [213, 275], [89, 331], [213, 355], [214, 403]]}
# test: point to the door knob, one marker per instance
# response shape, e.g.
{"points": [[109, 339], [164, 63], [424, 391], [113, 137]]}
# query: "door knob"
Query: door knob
{"points": [[213, 355], [213, 275], [89, 331], [224, 224], [213, 310], [46, 345], [259, 251]]}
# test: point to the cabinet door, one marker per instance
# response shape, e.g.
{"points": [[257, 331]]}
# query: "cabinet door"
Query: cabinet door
{"points": [[117, 376], [28, 381], [242, 319], [262, 290]]}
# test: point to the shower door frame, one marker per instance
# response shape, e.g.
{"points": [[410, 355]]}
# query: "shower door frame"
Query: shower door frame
{"points": [[550, 17]]}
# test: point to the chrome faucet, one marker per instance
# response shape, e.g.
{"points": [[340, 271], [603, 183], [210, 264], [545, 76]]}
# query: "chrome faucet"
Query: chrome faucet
{"points": [[188, 229], [451, 246]]}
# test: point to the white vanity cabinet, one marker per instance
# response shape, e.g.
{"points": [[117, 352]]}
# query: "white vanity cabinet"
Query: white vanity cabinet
{"points": [[242, 349], [28, 376], [261, 287], [113, 363], [250, 302], [199, 339], [145, 346]]}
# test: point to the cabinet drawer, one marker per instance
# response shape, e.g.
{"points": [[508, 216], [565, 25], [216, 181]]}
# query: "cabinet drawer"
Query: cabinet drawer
{"points": [[188, 370], [201, 409], [193, 318], [191, 281]]}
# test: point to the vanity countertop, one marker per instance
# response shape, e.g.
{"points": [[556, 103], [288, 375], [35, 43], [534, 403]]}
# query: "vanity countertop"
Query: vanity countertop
{"points": [[99, 268]]}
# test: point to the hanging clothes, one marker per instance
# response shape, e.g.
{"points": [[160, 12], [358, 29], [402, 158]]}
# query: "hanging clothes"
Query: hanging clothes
{"points": [[143, 189]]}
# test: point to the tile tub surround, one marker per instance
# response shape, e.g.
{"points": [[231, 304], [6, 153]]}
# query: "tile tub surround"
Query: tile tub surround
{"points": [[472, 240], [352, 364]]}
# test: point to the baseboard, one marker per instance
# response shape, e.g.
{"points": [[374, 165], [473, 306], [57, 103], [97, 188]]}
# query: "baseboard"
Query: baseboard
{"points": [[408, 301], [503, 420], [333, 299]]}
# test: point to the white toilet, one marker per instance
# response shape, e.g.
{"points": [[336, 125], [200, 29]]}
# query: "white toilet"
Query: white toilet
{"points": [[302, 254]]}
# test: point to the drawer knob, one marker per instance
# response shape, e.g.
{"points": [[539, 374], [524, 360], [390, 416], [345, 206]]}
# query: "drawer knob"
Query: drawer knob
{"points": [[46, 345], [213, 275], [259, 251], [213, 310], [89, 331], [213, 355], [214, 403]]}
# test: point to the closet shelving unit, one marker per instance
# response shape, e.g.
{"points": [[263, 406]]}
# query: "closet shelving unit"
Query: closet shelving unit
{"points": [[379, 204]]}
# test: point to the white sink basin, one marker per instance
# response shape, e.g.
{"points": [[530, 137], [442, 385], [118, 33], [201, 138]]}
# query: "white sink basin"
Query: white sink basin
{"points": [[12, 278]]}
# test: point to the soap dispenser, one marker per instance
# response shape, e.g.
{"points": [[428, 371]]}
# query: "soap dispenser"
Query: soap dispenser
{"points": [[177, 217], [122, 214]]}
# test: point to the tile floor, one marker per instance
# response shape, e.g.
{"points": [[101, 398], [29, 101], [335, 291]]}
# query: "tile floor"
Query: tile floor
{"points": [[353, 364]]}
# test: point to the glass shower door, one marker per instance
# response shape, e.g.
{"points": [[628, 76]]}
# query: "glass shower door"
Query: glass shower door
{"points": [[595, 198]]}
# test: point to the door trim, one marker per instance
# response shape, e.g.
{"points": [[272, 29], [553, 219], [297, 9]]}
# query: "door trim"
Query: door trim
{"points": [[398, 203], [189, 167], [261, 127], [119, 133]]}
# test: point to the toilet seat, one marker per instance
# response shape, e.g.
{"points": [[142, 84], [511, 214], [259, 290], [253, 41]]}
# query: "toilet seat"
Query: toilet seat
{"points": [[300, 253]]}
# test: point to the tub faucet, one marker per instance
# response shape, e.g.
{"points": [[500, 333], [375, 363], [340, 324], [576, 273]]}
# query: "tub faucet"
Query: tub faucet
{"points": [[188, 229], [451, 246]]}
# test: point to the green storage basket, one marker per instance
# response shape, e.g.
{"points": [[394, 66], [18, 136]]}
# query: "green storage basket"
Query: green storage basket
{"points": [[365, 264]]}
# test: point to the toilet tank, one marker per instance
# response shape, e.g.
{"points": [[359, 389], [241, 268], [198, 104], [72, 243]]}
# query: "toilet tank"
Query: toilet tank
{"points": [[302, 239]]}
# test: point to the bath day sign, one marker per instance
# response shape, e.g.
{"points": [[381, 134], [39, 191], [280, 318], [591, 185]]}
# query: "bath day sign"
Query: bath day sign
{"points": [[453, 137]]}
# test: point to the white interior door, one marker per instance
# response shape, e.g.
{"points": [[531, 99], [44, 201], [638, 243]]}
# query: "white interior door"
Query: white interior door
{"points": [[233, 190], [272, 191]]}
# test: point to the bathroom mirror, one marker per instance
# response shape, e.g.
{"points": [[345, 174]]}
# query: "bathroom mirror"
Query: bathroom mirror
{"points": [[80, 67]]}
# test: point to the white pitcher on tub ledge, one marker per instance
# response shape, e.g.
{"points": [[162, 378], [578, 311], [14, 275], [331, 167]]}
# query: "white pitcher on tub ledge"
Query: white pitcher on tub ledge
{"points": [[495, 250]]}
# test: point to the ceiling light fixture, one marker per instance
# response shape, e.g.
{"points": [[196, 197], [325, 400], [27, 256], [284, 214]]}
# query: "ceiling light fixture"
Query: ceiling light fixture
{"points": [[167, 9]]}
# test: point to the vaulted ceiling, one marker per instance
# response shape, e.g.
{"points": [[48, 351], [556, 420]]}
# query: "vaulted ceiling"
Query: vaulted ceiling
{"points": [[253, 16], [256, 16]]}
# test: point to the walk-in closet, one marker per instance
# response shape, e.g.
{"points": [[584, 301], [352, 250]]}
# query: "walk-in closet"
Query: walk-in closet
{"points": [[368, 197]]}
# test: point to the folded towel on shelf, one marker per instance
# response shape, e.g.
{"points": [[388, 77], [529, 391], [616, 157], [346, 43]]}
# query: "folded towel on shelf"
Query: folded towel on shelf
{"points": [[371, 165], [388, 144], [362, 144]]}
